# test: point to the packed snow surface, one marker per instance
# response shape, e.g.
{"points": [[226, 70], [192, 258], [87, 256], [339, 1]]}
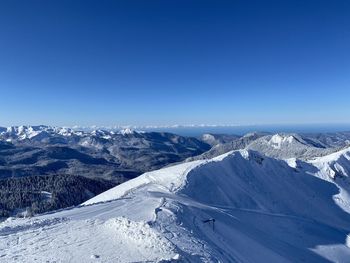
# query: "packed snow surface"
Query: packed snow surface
{"points": [[239, 207]]}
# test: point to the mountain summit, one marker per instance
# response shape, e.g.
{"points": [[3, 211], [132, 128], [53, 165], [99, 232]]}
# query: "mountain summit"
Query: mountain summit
{"points": [[238, 207]]}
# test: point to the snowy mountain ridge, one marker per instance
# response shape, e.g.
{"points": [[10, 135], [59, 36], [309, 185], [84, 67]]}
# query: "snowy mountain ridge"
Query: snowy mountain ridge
{"points": [[277, 140], [279, 145], [242, 206], [23, 132]]}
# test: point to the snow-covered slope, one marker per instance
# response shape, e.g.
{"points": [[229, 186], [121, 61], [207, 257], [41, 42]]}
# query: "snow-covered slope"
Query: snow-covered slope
{"points": [[265, 210], [279, 145], [235, 144], [336, 139], [215, 139], [288, 146]]}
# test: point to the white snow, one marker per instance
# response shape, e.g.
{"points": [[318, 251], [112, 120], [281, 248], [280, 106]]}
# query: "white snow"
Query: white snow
{"points": [[277, 140], [292, 162], [65, 131], [171, 178], [209, 138], [126, 131], [265, 210]]}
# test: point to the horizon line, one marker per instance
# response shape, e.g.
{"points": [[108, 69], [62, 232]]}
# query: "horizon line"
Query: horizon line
{"points": [[176, 126]]}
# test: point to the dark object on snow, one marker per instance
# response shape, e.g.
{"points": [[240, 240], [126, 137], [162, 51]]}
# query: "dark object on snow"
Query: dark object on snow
{"points": [[211, 220]]}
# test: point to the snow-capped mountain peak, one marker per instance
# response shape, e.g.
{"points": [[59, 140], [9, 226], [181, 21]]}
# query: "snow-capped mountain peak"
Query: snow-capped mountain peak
{"points": [[127, 131], [285, 146], [208, 137], [277, 140], [23, 132]]}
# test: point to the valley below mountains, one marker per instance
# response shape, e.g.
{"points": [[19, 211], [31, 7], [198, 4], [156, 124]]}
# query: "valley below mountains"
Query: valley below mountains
{"points": [[35, 160]]}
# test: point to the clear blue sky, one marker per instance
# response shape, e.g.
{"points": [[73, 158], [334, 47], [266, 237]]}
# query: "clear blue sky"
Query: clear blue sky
{"points": [[165, 62]]}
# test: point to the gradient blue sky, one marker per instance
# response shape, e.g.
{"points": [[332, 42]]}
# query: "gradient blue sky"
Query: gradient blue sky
{"points": [[166, 62]]}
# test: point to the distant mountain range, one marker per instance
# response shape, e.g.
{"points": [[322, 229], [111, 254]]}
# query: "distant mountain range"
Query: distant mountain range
{"points": [[36, 159], [98, 155], [33, 150]]}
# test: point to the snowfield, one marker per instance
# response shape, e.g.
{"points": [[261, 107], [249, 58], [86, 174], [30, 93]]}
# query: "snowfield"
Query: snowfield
{"points": [[239, 207]]}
